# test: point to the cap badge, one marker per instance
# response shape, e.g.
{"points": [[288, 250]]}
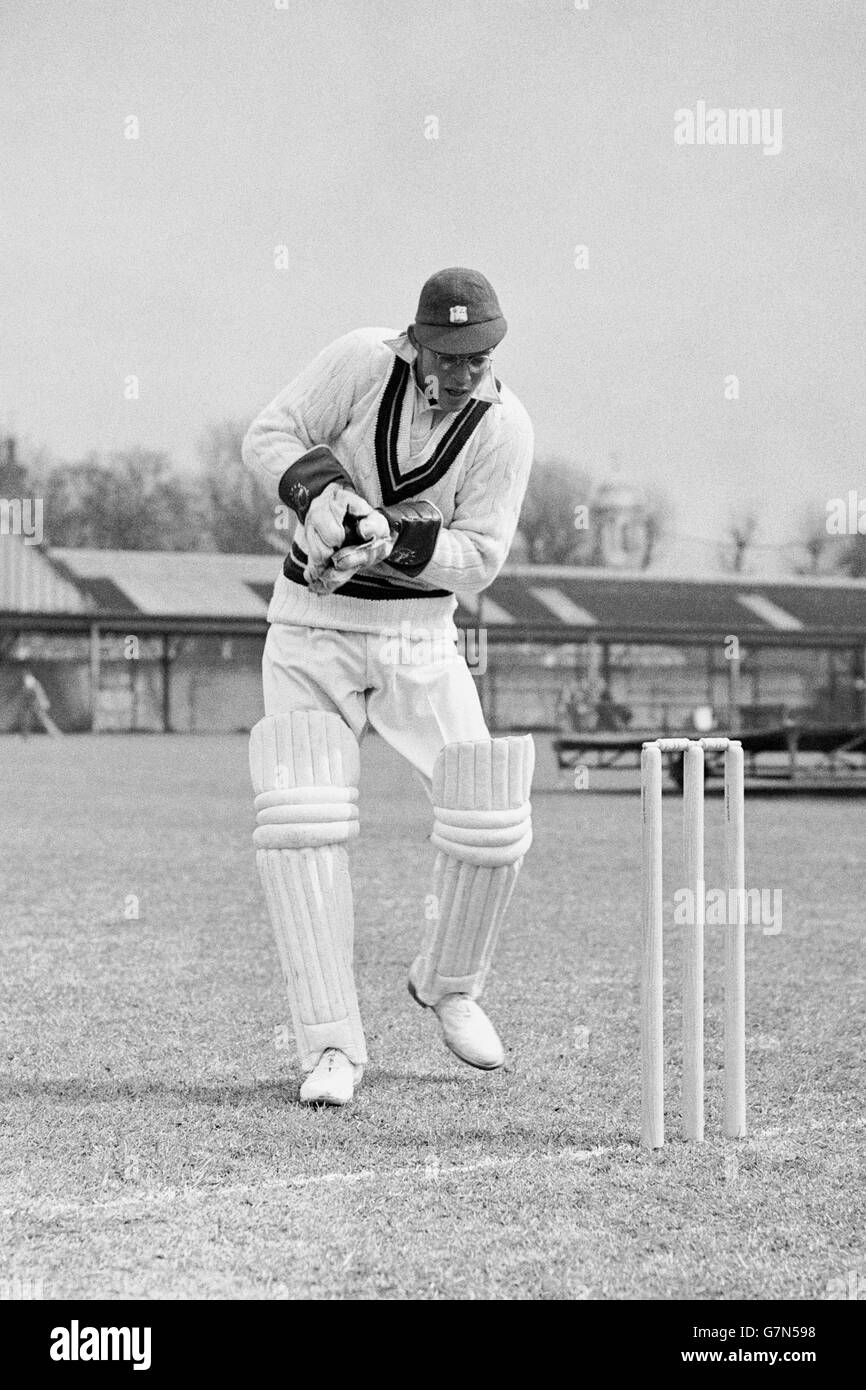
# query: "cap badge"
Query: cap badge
{"points": [[458, 313]]}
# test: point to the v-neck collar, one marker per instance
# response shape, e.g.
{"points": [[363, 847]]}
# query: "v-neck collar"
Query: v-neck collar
{"points": [[396, 485]]}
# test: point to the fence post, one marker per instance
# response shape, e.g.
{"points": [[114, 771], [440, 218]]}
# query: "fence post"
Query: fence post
{"points": [[166, 683], [94, 677]]}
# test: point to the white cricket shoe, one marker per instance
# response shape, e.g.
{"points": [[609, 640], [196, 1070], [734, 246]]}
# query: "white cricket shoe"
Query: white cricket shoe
{"points": [[332, 1081], [468, 1032]]}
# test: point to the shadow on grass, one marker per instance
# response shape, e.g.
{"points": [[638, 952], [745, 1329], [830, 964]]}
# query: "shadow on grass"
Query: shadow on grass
{"points": [[75, 1090], [426, 1078]]}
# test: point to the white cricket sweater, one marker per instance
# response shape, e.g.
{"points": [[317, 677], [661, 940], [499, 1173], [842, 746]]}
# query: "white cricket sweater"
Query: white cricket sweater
{"points": [[479, 489]]}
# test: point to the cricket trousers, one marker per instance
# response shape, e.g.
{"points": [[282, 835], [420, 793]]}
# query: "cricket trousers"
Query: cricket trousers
{"points": [[323, 689]]}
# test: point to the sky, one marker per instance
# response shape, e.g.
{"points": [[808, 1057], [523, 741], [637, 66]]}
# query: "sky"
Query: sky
{"points": [[306, 124]]}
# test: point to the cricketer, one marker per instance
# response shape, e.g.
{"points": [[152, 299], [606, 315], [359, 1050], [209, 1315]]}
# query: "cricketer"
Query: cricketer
{"points": [[406, 462]]}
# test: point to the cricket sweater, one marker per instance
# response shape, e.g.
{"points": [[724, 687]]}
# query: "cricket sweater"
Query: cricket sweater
{"points": [[360, 398]]}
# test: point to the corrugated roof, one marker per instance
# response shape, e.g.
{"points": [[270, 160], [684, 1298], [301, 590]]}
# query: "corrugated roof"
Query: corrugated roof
{"points": [[609, 604], [31, 583], [549, 601], [713, 603], [172, 583]]}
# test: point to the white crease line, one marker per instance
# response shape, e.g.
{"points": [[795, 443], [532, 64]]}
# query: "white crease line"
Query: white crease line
{"points": [[427, 1172]]}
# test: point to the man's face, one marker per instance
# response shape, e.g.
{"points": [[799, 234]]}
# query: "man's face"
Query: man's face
{"points": [[447, 380]]}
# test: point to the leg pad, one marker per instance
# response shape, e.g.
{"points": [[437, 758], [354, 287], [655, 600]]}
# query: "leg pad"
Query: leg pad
{"points": [[482, 830], [304, 768]]}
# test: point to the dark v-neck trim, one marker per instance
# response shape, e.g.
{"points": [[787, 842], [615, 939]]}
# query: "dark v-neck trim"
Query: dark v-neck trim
{"points": [[394, 484]]}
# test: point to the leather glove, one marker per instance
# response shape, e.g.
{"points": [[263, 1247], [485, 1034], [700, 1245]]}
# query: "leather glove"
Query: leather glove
{"points": [[325, 528]]}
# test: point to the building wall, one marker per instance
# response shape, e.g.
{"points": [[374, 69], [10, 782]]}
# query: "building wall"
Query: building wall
{"points": [[216, 684], [661, 687], [66, 683]]}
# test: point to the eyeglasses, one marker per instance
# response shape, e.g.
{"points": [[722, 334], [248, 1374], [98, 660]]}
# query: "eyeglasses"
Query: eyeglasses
{"points": [[449, 362]]}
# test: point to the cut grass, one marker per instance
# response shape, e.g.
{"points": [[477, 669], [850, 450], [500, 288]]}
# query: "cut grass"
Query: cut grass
{"points": [[150, 1139]]}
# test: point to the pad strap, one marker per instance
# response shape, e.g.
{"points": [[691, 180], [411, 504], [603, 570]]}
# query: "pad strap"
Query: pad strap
{"points": [[481, 801], [294, 822], [304, 769]]}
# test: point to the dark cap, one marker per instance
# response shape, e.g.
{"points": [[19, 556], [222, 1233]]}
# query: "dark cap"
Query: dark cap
{"points": [[458, 312]]}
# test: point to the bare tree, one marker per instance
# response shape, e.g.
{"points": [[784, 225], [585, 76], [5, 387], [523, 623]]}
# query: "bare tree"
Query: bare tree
{"points": [[740, 533], [852, 560], [241, 508], [555, 519], [132, 502], [825, 551], [814, 542]]}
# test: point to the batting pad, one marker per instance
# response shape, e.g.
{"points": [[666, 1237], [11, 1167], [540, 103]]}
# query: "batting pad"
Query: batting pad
{"points": [[304, 768], [482, 830]]}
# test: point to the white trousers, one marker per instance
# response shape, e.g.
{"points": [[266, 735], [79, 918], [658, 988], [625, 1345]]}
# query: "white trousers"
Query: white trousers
{"points": [[419, 695], [416, 692]]}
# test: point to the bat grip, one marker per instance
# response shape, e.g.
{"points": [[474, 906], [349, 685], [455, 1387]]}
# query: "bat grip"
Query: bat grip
{"points": [[351, 534]]}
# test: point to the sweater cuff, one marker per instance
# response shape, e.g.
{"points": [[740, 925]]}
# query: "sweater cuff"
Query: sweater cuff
{"points": [[308, 476]]}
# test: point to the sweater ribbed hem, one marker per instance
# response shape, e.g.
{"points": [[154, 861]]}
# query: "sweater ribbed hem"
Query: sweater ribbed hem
{"points": [[295, 604]]}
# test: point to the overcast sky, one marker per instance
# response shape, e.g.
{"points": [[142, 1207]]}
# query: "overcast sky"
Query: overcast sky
{"points": [[304, 126]]}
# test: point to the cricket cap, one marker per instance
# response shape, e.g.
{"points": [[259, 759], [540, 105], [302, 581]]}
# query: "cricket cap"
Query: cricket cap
{"points": [[458, 312]]}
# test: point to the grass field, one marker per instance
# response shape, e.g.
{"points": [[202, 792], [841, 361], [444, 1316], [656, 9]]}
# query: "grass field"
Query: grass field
{"points": [[152, 1145]]}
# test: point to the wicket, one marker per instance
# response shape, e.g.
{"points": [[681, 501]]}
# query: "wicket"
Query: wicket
{"points": [[652, 954]]}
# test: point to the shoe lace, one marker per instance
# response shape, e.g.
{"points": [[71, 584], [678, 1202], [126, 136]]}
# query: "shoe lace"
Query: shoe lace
{"points": [[461, 1005]]}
